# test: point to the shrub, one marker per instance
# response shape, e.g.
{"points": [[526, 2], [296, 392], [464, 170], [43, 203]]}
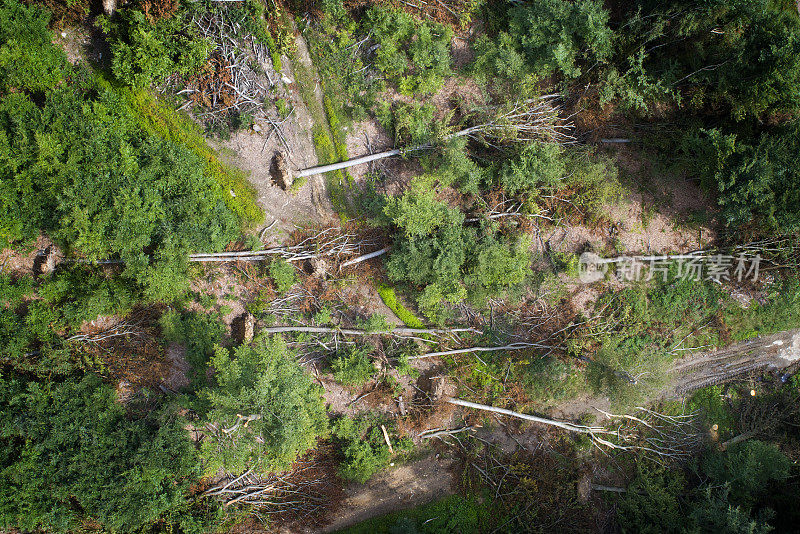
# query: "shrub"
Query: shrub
{"points": [[364, 447], [739, 59], [32, 337], [450, 262], [341, 64], [353, 366], [631, 362], [537, 166], [263, 381], [374, 323], [413, 54], [28, 60], [283, 275], [71, 454], [410, 124], [594, 183], [547, 37], [145, 52], [79, 168], [758, 179], [453, 166]]}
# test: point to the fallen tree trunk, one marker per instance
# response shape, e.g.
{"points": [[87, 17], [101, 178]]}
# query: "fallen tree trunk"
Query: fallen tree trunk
{"points": [[513, 346], [581, 429], [528, 120], [365, 257], [355, 332], [321, 169], [775, 352], [672, 436]]}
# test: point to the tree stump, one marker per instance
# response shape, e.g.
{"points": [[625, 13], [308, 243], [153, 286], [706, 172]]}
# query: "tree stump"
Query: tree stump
{"points": [[281, 173], [243, 328]]}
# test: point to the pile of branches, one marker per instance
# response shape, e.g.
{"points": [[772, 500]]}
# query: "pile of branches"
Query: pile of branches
{"points": [[661, 437], [129, 347], [533, 119], [230, 83], [304, 492], [328, 244]]}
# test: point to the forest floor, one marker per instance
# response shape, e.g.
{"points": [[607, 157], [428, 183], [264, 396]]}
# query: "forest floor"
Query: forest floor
{"points": [[660, 212]]}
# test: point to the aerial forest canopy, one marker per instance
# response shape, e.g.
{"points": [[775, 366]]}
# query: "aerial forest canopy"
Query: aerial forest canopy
{"points": [[201, 331]]}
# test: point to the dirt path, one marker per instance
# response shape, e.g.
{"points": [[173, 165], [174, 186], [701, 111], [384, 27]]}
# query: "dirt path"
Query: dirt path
{"points": [[252, 150], [411, 485]]}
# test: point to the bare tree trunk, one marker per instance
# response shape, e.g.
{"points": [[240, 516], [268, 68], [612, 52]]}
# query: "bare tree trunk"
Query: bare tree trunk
{"points": [[365, 257], [354, 332], [536, 419], [778, 352], [321, 169], [531, 119], [513, 346]]}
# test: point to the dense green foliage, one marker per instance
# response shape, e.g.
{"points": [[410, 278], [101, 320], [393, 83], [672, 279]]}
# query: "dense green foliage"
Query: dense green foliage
{"points": [[545, 38], [412, 54], [353, 366], [34, 322], [447, 260], [758, 179], [364, 447], [80, 169], [76, 164], [283, 275], [265, 381], [145, 51], [737, 56], [659, 501], [538, 166], [27, 59], [69, 451]]}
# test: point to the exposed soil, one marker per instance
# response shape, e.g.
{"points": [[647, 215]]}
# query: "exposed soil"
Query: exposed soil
{"points": [[410, 485], [252, 150], [660, 217], [26, 260]]}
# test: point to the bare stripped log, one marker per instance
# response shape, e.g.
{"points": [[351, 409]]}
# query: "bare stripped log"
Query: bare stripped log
{"points": [[326, 243], [673, 437], [774, 352], [365, 257], [564, 425], [355, 332], [533, 119], [512, 346]]}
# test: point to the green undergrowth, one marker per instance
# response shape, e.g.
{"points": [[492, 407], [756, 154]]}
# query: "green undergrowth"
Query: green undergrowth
{"points": [[160, 119], [780, 311], [389, 298], [327, 134], [363, 446], [453, 514]]}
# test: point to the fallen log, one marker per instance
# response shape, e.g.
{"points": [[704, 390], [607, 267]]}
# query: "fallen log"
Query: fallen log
{"points": [[356, 332]]}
